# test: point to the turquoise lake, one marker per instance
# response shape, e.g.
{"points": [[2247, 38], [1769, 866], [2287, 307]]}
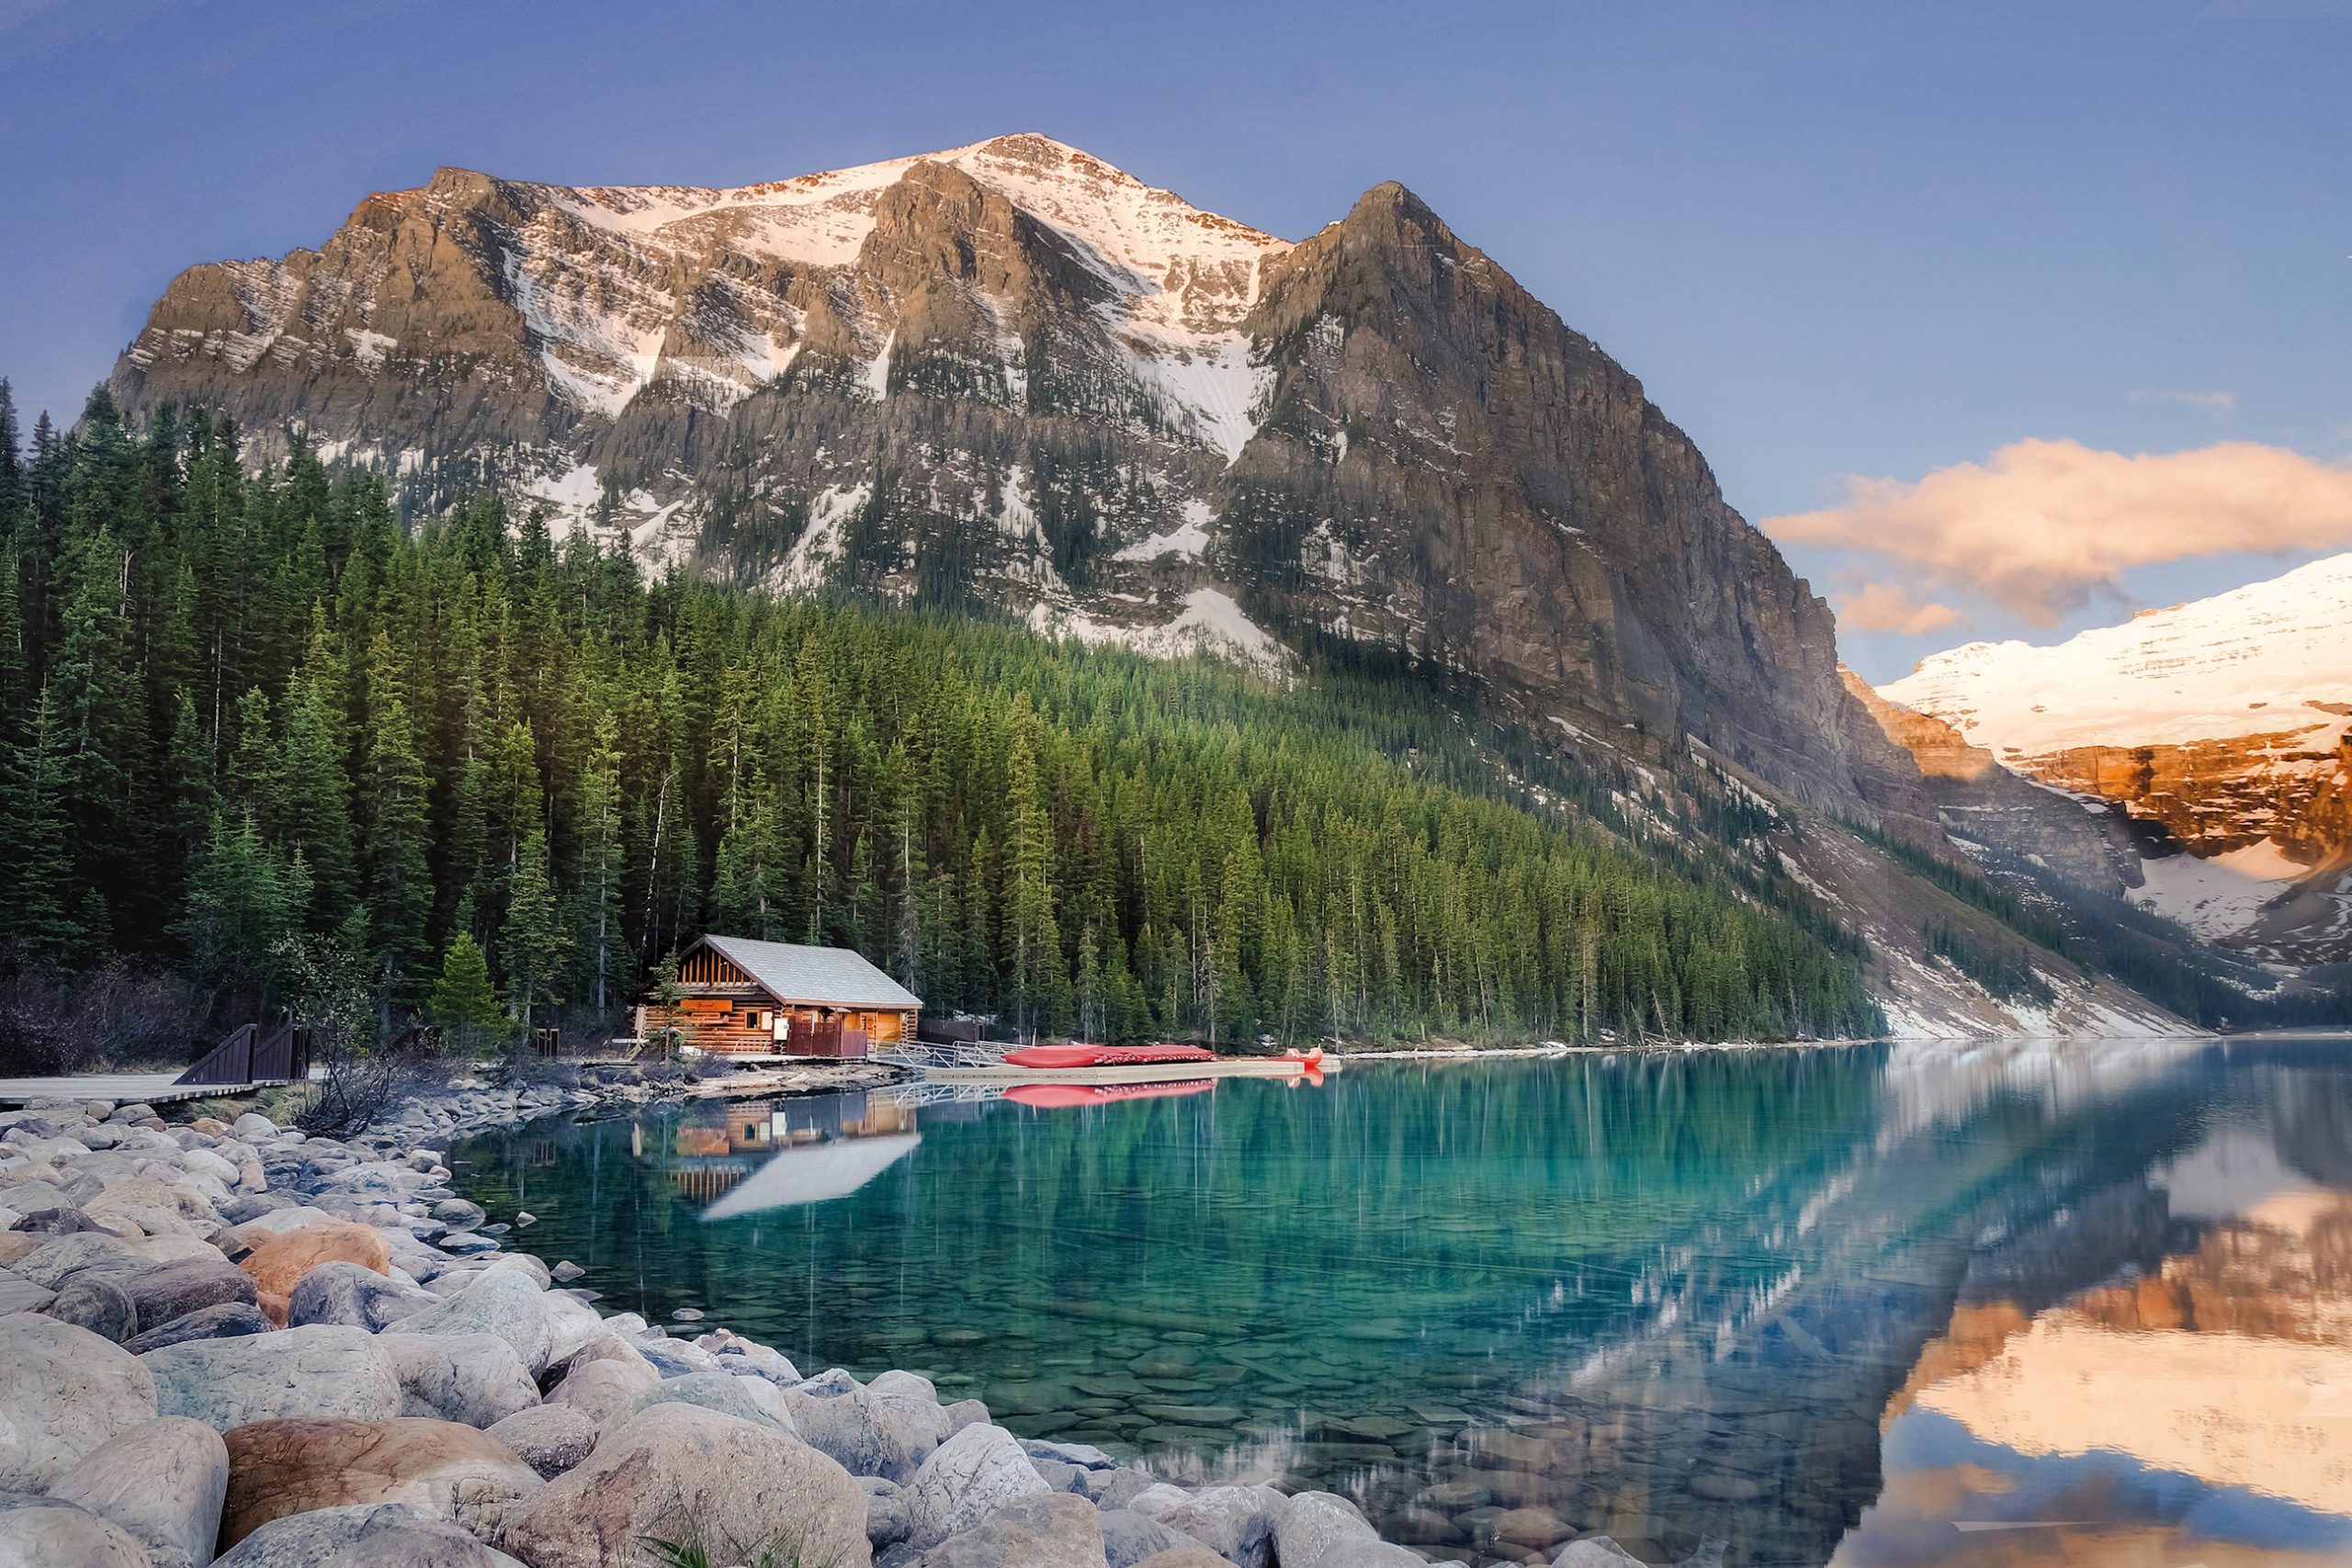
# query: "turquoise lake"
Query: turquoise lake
{"points": [[1875, 1306]]}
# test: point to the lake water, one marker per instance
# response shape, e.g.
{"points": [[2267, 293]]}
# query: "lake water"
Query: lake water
{"points": [[2088, 1305]]}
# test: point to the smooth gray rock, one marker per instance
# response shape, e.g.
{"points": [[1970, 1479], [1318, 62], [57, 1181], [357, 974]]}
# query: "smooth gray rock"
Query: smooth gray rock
{"points": [[740, 1483], [968, 1477], [475, 1379], [1116, 1488], [368, 1535], [356, 1295], [162, 1291], [22, 1295], [1054, 1531], [598, 1388], [886, 1430], [162, 1483], [1313, 1526], [748, 1399], [53, 1262], [89, 1300], [252, 1125], [1234, 1522], [1596, 1552], [1086, 1456], [457, 1213], [1128, 1537], [317, 1370], [886, 1512], [499, 1302], [43, 1532], [550, 1439], [64, 1393], [226, 1321]]}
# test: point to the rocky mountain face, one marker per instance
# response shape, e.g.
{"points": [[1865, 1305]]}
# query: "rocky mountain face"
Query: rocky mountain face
{"points": [[1012, 375], [2223, 729]]}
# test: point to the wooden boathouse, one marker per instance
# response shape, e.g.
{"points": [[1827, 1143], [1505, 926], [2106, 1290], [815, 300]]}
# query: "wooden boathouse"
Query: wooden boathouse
{"points": [[736, 997]]}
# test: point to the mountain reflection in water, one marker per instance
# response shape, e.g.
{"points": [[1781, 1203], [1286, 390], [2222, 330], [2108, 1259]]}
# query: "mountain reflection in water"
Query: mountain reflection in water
{"points": [[1877, 1306]]}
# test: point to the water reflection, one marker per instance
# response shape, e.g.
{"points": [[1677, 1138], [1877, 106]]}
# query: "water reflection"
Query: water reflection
{"points": [[1813, 1304], [2192, 1406]]}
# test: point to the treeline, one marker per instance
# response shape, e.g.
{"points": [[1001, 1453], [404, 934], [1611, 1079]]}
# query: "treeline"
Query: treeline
{"points": [[245, 720]]}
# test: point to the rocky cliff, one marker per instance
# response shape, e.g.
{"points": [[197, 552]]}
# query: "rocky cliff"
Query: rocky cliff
{"points": [[1012, 375], [2223, 726]]}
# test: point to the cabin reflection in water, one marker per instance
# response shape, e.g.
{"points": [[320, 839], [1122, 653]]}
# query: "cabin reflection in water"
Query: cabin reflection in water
{"points": [[757, 1155]]}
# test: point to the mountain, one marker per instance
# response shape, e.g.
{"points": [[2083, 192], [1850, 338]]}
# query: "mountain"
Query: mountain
{"points": [[1012, 375], [2222, 727], [1009, 377]]}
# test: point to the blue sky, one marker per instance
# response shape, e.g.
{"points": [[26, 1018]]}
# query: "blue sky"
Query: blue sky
{"points": [[1873, 239]]}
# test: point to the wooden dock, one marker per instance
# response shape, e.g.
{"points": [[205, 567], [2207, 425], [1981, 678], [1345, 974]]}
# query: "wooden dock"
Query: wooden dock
{"points": [[124, 1088]]}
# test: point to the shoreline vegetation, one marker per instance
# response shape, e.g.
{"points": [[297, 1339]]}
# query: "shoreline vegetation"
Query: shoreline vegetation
{"points": [[261, 738], [228, 1334]]}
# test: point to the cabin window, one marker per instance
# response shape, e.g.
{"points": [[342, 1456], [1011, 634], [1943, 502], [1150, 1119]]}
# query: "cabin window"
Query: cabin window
{"points": [[752, 1018]]}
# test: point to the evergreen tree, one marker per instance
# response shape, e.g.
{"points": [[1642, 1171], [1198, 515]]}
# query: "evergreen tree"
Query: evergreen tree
{"points": [[463, 1004], [398, 871], [532, 943], [35, 917]]}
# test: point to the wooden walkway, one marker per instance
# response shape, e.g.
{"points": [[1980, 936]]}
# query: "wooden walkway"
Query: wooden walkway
{"points": [[123, 1088]]}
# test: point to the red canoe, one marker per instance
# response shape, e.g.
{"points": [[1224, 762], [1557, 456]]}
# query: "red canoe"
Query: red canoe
{"points": [[1060, 1057]]}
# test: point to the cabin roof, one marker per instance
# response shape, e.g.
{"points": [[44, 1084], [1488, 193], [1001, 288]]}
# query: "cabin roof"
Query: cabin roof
{"points": [[833, 976]]}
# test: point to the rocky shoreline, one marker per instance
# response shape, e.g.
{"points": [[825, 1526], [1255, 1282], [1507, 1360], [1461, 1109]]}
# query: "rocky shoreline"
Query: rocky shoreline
{"points": [[231, 1343]]}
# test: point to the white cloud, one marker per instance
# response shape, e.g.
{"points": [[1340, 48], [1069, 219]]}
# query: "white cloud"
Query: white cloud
{"points": [[2040, 524], [1892, 607]]}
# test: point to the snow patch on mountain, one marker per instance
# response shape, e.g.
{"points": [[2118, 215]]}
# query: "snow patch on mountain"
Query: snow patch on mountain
{"points": [[1188, 538], [2219, 896], [2271, 659], [823, 542]]}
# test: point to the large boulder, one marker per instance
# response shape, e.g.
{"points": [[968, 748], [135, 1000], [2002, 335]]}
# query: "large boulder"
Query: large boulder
{"points": [[374, 1535], [321, 1370], [1057, 1531], [887, 1428], [278, 1263], [1128, 1537], [473, 1379], [500, 1302], [550, 1439], [1596, 1552], [54, 1261], [276, 1468], [43, 1532], [1314, 1526], [1235, 1522], [749, 1398], [162, 1483], [966, 1478], [92, 1301], [676, 1469], [64, 1393], [226, 1321], [1191, 1555], [598, 1388], [355, 1296], [162, 1291]]}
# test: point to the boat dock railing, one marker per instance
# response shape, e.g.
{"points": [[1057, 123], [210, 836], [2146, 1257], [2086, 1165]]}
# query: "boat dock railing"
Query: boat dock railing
{"points": [[918, 1055]]}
